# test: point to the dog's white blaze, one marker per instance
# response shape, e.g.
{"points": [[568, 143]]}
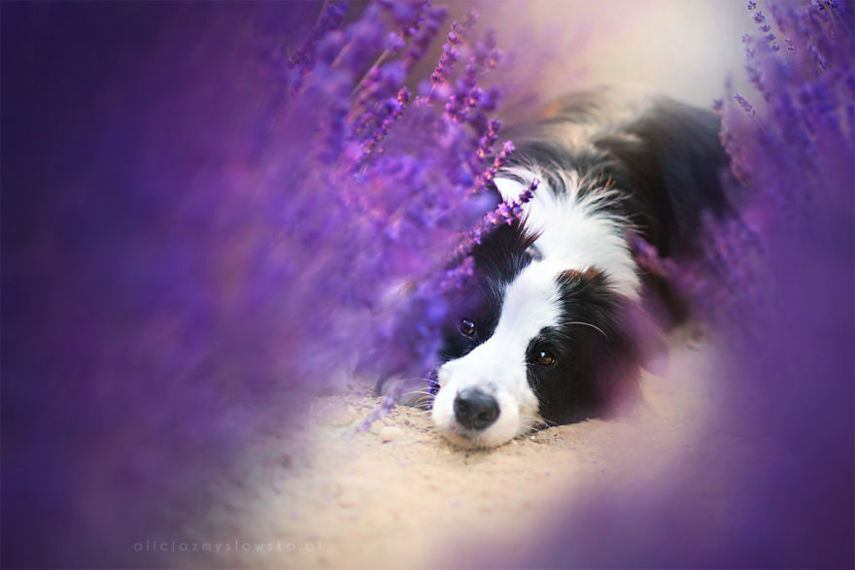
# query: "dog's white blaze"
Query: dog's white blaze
{"points": [[572, 235], [498, 366]]}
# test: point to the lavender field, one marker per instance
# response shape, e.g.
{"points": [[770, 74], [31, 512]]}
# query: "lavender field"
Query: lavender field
{"points": [[222, 223]]}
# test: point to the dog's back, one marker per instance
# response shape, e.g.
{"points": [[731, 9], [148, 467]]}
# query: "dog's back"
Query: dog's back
{"points": [[655, 162]]}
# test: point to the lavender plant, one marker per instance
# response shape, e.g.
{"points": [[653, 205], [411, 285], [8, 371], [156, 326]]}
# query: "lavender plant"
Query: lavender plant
{"points": [[398, 179], [195, 237], [788, 148]]}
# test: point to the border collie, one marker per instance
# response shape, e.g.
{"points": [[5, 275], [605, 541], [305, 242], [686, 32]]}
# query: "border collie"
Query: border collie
{"points": [[553, 336]]}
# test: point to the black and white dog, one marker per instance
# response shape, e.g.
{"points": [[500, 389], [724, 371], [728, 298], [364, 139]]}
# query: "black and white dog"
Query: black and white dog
{"points": [[552, 338]]}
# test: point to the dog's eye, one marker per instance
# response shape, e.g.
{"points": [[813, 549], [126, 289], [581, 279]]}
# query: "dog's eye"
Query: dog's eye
{"points": [[466, 327], [544, 358]]}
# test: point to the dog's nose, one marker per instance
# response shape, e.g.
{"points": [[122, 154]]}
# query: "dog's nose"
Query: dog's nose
{"points": [[475, 409]]}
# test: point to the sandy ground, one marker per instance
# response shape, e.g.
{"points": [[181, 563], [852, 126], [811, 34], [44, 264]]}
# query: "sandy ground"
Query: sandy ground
{"points": [[327, 495]]}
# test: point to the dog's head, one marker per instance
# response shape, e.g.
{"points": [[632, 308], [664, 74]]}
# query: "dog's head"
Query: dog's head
{"points": [[540, 345]]}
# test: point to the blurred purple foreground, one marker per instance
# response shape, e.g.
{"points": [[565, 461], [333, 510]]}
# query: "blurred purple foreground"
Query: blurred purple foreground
{"points": [[201, 226]]}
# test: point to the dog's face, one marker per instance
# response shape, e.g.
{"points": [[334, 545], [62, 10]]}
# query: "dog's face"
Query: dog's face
{"points": [[537, 347]]}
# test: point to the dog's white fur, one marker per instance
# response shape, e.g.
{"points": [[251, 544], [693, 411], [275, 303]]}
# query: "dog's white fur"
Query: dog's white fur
{"points": [[571, 234]]}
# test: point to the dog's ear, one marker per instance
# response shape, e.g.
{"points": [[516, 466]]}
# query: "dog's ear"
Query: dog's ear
{"points": [[671, 156]]}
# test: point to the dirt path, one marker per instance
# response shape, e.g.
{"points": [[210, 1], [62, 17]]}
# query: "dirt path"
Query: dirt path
{"points": [[398, 495]]}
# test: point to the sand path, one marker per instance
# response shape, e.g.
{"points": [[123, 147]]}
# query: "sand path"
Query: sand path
{"points": [[324, 495]]}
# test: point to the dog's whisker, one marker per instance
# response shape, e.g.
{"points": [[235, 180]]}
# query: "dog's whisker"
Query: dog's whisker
{"points": [[421, 400], [427, 394], [595, 327], [534, 422]]}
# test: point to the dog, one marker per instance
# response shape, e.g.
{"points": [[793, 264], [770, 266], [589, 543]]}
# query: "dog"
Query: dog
{"points": [[552, 335]]}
